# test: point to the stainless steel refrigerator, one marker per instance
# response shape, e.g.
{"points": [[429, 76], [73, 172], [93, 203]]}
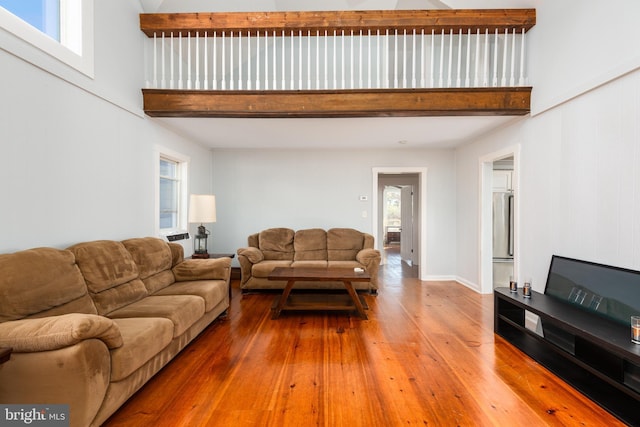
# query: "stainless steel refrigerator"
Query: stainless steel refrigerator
{"points": [[502, 238]]}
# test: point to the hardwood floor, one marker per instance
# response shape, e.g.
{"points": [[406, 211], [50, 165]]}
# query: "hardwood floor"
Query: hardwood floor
{"points": [[426, 356]]}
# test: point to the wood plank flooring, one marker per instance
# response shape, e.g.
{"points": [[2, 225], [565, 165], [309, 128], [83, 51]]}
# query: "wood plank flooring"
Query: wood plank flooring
{"points": [[426, 356]]}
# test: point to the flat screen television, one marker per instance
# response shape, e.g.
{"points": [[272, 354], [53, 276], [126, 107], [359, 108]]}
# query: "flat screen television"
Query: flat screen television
{"points": [[608, 291]]}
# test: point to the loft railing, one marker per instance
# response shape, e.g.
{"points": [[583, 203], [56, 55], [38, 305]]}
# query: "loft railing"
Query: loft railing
{"points": [[337, 50]]}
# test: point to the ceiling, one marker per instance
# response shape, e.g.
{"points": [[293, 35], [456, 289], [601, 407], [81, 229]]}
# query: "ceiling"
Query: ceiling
{"points": [[331, 133]]}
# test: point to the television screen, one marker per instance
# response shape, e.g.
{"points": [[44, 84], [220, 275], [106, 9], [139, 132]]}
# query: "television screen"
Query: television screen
{"points": [[608, 291]]}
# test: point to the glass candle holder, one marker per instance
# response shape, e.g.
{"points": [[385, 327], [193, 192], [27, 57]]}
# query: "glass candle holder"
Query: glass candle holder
{"points": [[635, 329], [513, 285], [526, 289]]}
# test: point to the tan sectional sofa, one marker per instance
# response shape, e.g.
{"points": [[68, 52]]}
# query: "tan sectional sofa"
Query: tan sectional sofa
{"points": [[91, 324], [315, 247]]}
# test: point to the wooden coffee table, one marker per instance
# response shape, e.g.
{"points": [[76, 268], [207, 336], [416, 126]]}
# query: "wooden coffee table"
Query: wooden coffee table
{"points": [[311, 301]]}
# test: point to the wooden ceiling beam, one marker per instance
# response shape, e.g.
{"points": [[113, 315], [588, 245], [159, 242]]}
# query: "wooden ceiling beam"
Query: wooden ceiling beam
{"points": [[437, 20], [335, 103]]}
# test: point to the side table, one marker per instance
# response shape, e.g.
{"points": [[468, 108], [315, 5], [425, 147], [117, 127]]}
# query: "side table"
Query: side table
{"points": [[220, 255]]}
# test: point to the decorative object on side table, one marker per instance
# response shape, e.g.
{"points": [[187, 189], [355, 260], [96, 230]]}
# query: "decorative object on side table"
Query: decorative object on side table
{"points": [[202, 208], [513, 285], [635, 329], [526, 289]]}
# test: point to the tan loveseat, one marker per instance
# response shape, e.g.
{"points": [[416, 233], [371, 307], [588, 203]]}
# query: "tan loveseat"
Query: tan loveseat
{"points": [[91, 324], [315, 247]]}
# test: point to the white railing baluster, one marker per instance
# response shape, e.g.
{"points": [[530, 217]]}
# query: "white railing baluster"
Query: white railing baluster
{"points": [[155, 62], [171, 55], [521, 81], [441, 76], [485, 81], [231, 67], [413, 61], [214, 77], [300, 60], [351, 70], [249, 69], [433, 63], [404, 59], [422, 59], [180, 61], [283, 66], [163, 80], [206, 63], [189, 61], [361, 82], [459, 69], [395, 59], [449, 81], [503, 81], [326, 62], [275, 76], [308, 60], [239, 60], [379, 61], [258, 59], [342, 75], [318, 59], [495, 61], [197, 85], [292, 77], [224, 60], [476, 79], [467, 80], [512, 81]]}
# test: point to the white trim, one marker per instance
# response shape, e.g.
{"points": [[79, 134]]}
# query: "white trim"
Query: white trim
{"points": [[471, 285], [422, 177], [162, 152], [485, 225], [82, 61]]}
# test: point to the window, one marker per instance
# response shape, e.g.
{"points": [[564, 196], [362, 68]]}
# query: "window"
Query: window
{"points": [[172, 190], [61, 28]]}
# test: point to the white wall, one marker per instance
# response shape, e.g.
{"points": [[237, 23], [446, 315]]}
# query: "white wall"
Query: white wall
{"points": [[577, 45], [77, 154], [579, 180], [258, 189]]}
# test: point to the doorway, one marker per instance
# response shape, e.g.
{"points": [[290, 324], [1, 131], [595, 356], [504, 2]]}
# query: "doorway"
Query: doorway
{"points": [[499, 221], [404, 234]]}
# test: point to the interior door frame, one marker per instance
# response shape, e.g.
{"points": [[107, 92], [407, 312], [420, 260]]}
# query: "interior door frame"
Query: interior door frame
{"points": [[421, 217], [485, 249]]}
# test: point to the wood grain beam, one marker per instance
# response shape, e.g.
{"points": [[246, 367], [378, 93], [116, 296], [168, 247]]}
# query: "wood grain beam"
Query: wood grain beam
{"points": [[437, 20], [336, 103]]}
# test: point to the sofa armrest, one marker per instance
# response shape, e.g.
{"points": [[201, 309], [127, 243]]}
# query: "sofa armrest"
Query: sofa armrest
{"points": [[253, 255], [203, 269], [56, 332], [369, 257], [247, 257]]}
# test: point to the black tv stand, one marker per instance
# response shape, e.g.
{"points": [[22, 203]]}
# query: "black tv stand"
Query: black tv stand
{"points": [[593, 354]]}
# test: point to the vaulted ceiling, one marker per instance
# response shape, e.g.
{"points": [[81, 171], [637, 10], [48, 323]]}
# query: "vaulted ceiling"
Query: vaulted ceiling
{"points": [[334, 133]]}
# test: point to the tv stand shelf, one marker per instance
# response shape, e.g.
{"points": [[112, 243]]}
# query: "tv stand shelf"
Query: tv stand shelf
{"points": [[593, 354]]}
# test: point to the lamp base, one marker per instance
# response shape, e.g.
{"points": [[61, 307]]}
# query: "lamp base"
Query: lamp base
{"points": [[200, 256]]}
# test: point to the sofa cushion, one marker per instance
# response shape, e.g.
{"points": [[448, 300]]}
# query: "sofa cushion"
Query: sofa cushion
{"points": [[182, 310], [41, 282], [211, 291], [343, 244], [110, 273], [154, 260], [310, 245], [277, 243], [142, 339]]}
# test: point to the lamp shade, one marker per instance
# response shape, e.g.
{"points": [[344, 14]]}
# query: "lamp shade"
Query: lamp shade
{"points": [[202, 208]]}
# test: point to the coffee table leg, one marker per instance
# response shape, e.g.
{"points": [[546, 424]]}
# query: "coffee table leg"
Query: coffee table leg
{"points": [[283, 299], [355, 298]]}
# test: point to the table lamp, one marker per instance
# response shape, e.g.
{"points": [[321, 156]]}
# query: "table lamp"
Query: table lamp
{"points": [[202, 208]]}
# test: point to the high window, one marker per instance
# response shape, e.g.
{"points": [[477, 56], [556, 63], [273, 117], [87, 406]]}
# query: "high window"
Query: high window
{"points": [[61, 28], [172, 182]]}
